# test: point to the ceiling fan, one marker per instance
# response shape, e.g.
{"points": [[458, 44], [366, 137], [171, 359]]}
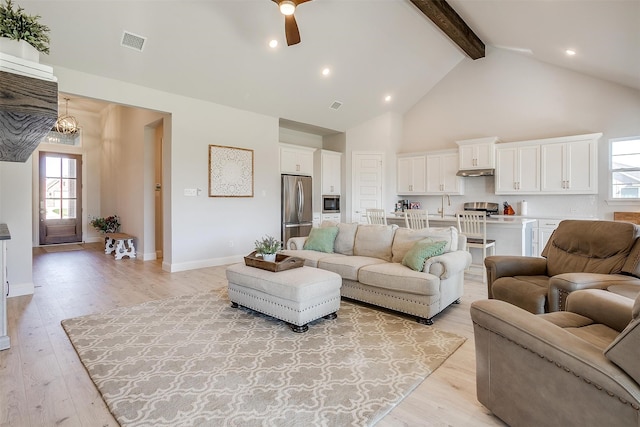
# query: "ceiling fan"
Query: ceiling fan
{"points": [[287, 7]]}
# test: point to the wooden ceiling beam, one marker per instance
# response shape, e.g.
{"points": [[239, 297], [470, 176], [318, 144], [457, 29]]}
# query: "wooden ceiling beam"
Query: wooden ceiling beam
{"points": [[452, 25]]}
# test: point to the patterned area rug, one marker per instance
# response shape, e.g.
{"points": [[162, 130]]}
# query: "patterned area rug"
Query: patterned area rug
{"points": [[194, 361]]}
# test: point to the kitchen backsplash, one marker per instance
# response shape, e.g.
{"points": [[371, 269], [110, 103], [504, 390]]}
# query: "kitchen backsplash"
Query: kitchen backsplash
{"points": [[481, 189]]}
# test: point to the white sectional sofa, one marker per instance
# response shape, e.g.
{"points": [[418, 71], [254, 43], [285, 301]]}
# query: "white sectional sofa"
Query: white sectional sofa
{"points": [[369, 260]]}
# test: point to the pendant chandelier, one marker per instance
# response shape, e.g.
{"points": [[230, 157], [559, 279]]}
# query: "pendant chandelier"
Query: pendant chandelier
{"points": [[66, 124]]}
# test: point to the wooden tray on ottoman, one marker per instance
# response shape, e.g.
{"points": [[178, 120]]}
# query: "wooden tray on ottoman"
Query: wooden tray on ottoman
{"points": [[283, 262]]}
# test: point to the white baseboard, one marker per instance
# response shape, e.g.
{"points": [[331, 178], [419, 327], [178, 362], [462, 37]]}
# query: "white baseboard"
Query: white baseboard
{"points": [[147, 257], [19, 289], [94, 240], [193, 265]]}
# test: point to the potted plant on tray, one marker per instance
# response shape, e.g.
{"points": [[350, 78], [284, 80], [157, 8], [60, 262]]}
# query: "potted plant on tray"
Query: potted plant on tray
{"points": [[267, 247], [21, 34]]}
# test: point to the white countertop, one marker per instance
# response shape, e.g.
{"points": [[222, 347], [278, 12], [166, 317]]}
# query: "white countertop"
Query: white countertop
{"points": [[494, 219]]}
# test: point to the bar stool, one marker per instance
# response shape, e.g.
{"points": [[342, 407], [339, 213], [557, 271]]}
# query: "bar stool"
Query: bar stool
{"points": [[416, 219], [376, 216], [474, 225]]}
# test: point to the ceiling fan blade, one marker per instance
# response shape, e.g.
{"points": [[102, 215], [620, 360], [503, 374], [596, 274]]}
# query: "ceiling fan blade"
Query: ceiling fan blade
{"points": [[291, 30]]}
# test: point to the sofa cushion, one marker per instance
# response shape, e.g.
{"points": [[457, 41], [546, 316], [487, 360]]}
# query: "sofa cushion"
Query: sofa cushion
{"points": [[405, 238], [623, 351], [420, 251], [311, 258], [347, 266], [589, 246], [321, 239], [374, 241], [397, 277], [345, 238]]}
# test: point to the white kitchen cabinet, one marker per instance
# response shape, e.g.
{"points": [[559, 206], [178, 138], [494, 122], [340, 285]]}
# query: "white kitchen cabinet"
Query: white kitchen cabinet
{"points": [[542, 233], [477, 153], [335, 217], [330, 170], [517, 169], [411, 175], [296, 159], [441, 173], [569, 167]]}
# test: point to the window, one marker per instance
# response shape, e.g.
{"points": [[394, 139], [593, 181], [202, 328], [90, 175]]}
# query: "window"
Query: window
{"points": [[625, 168]]}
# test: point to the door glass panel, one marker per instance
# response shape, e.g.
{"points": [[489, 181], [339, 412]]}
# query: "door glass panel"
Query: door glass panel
{"points": [[53, 166], [68, 188], [68, 168], [54, 207], [54, 188], [68, 209]]}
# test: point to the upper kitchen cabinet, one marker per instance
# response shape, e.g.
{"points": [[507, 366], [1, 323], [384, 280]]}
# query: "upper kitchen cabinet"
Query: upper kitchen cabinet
{"points": [[330, 169], [517, 169], [569, 165], [477, 153], [296, 159], [411, 174], [442, 167]]}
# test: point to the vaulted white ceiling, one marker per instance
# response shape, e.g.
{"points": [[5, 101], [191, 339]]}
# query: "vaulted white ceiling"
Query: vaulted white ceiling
{"points": [[217, 50]]}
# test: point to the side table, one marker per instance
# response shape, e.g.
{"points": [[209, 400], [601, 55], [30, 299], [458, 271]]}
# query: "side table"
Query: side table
{"points": [[120, 243]]}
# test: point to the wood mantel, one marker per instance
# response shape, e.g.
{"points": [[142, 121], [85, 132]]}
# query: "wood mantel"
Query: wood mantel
{"points": [[28, 111]]}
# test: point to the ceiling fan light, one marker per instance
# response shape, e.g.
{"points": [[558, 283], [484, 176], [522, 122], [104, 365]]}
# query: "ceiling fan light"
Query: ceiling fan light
{"points": [[287, 7]]}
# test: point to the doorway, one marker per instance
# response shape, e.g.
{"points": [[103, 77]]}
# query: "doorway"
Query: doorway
{"points": [[367, 178], [60, 201]]}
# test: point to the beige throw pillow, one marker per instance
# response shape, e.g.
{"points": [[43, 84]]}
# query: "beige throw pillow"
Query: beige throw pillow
{"points": [[405, 238], [374, 241]]}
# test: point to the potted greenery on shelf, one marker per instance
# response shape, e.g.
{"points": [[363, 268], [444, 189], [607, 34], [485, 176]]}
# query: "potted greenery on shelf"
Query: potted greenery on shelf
{"points": [[22, 34], [267, 247]]}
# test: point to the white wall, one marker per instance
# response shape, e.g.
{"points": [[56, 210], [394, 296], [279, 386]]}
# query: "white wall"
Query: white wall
{"points": [[15, 211], [516, 98]]}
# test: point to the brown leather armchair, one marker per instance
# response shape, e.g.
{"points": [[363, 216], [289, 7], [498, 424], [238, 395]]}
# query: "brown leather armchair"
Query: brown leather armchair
{"points": [[571, 368], [580, 254]]}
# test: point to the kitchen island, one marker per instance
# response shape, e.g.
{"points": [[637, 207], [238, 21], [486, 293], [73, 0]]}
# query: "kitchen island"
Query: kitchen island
{"points": [[513, 235]]}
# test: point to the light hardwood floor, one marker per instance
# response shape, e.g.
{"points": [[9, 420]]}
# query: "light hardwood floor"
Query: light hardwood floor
{"points": [[43, 382]]}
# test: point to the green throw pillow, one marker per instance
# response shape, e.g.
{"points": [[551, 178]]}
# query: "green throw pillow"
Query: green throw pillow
{"points": [[321, 239], [421, 251]]}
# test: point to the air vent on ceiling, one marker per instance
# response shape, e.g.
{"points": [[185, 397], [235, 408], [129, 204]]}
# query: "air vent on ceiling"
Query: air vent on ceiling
{"points": [[133, 41], [335, 105]]}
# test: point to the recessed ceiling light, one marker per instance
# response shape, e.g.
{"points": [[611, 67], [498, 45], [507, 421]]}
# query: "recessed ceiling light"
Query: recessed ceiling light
{"points": [[570, 52], [273, 43], [326, 71], [387, 98]]}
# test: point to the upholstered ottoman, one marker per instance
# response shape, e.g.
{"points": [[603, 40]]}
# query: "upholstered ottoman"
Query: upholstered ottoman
{"points": [[297, 296]]}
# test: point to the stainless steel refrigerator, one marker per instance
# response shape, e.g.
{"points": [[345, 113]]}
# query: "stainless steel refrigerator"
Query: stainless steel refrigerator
{"points": [[297, 215]]}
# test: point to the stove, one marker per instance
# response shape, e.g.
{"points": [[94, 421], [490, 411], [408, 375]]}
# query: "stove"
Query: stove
{"points": [[488, 207]]}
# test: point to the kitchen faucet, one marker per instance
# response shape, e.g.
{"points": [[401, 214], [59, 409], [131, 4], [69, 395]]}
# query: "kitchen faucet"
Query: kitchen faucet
{"points": [[448, 204]]}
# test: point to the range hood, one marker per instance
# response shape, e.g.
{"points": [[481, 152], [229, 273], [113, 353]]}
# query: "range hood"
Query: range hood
{"points": [[476, 172]]}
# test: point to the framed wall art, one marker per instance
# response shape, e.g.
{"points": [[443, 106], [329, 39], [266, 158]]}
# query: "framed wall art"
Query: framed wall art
{"points": [[230, 171]]}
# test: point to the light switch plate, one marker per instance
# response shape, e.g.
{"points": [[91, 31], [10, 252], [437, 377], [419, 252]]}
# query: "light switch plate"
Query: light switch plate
{"points": [[191, 192]]}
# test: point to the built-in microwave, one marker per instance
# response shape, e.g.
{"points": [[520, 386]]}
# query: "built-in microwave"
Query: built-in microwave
{"points": [[331, 204]]}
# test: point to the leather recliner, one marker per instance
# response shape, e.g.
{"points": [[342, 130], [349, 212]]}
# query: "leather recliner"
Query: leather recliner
{"points": [[580, 254], [570, 368]]}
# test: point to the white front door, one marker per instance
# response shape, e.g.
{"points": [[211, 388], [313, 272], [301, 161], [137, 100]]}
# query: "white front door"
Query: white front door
{"points": [[367, 171]]}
